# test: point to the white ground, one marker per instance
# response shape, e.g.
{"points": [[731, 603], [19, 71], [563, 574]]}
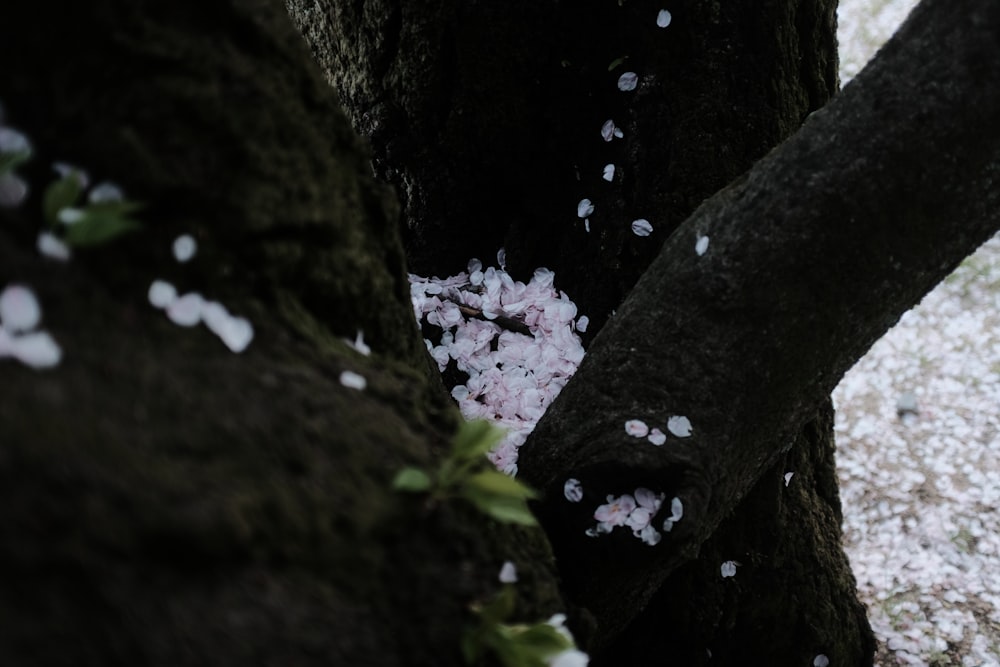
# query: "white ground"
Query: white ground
{"points": [[921, 493]]}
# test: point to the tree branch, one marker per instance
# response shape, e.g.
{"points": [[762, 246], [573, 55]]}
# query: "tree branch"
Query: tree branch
{"points": [[813, 255]]}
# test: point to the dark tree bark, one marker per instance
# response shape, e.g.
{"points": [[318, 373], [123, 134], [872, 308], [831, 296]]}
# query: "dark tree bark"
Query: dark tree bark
{"points": [[486, 117], [163, 501], [814, 254], [490, 145]]}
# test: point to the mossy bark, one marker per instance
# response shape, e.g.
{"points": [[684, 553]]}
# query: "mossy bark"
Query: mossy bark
{"points": [[164, 501], [486, 117], [487, 120]]}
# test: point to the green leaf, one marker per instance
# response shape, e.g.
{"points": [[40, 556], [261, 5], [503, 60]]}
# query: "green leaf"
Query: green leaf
{"points": [[120, 209], [97, 228], [9, 161], [413, 480], [61, 194], [474, 438], [503, 508], [499, 609], [542, 640], [499, 484], [617, 62]]}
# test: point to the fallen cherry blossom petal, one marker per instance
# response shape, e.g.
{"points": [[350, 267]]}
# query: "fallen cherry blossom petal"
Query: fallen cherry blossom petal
{"points": [[679, 426], [185, 311], [51, 246], [701, 246], [352, 380], [508, 573], [19, 309], [636, 428], [641, 227], [105, 192], [37, 349], [609, 172], [584, 208], [728, 569], [628, 81], [663, 18], [184, 248], [657, 437], [162, 293], [573, 490]]}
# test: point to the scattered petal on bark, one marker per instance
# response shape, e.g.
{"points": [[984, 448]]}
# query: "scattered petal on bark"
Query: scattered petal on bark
{"points": [[628, 81], [352, 380], [641, 227]]}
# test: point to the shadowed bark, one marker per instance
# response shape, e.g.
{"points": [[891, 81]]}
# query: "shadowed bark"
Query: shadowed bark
{"points": [[163, 501], [814, 254]]}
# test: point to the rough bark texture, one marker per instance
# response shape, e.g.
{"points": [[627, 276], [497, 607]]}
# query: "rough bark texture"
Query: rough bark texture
{"points": [[486, 117], [162, 500], [813, 255]]}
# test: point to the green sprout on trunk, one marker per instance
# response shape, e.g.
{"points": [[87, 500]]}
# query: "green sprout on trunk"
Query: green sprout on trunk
{"points": [[465, 473]]}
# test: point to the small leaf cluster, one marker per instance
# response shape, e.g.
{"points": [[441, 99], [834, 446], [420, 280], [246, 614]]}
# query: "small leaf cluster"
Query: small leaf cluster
{"points": [[93, 223], [465, 473], [513, 645], [11, 161]]}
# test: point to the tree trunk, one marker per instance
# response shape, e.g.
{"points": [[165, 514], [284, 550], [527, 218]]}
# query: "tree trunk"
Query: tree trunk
{"points": [[164, 501], [487, 118], [814, 254]]}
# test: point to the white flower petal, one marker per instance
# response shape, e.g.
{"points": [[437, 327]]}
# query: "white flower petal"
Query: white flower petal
{"points": [[728, 569], [65, 170], [37, 349], [185, 248], [185, 311], [676, 510], [650, 535], [609, 172], [105, 192], [584, 208], [657, 437], [788, 477], [582, 323], [215, 316], [679, 426], [663, 18], [701, 246], [609, 131], [508, 573], [628, 81], [821, 661], [573, 490], [162, 293], [236, 333], [359, 344], [641, 227], [571, 657], [636, 428], [352, 380], [19, 309], [51, 246], [13, 141], [502, 258], [70, 216], [13, 190]]}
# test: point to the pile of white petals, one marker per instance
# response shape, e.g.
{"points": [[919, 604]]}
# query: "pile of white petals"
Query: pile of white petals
{"points": [[513, 377]]}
